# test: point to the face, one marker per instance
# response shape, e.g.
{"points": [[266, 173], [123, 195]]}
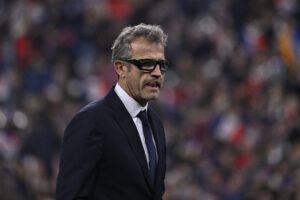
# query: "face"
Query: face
{"points": [[142, 86]]}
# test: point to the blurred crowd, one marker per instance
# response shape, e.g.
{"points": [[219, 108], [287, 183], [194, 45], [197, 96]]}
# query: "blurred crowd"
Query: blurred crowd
{"points": [[230, 102]]}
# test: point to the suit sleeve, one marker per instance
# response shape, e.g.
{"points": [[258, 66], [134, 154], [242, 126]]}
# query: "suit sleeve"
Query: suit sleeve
{"points": [[81, 152]]}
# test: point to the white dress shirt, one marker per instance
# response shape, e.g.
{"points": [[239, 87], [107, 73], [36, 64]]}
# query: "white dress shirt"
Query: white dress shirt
{"points": [[133, 107]]}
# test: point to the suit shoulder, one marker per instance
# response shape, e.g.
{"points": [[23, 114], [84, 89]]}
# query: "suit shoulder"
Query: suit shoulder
{"points": [[91, 111], [95, 108], [87, 118]]}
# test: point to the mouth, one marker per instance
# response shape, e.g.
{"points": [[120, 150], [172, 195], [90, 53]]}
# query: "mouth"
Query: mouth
{"points": [[154, 84]]}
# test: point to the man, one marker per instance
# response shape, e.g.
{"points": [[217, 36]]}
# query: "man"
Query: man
{"points": [[114, 149]]}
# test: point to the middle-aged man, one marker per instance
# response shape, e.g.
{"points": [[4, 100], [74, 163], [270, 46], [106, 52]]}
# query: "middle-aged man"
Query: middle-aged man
{"points": [[114, 148]]}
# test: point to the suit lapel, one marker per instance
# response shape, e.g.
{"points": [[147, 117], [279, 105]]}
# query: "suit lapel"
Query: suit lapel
{"points": [[159, 146], [124, 120]]}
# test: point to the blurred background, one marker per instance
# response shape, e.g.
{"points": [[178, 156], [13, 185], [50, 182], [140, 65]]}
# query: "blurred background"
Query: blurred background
{"points": [[230, 103]]}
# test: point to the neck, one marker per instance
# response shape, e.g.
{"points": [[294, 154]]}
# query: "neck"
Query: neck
{"points": [[140, 101]]}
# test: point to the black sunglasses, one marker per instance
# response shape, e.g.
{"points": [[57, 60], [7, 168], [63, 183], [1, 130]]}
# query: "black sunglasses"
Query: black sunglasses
{"points": [[149, 65]]}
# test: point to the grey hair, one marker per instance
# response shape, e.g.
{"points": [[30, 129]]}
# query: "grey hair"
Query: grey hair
{"points": [[121, 48]]}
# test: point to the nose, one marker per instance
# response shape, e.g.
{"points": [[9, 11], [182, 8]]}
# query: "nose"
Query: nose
{"points": [[156, 71]]}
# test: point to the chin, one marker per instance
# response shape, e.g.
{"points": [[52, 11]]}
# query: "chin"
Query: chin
{"points": [[152, 96]]}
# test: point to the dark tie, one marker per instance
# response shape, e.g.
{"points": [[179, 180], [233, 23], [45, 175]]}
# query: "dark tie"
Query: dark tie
{"points": [[149, 143]]}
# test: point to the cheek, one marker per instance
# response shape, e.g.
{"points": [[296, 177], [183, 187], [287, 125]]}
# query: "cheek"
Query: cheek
{"points": [[162, 79], [136, 84], [141, 82]]}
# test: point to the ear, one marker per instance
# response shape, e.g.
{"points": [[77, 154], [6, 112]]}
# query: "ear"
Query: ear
{"points": [[120, 68]]}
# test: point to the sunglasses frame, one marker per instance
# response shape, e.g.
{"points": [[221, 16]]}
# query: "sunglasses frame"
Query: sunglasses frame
{"points": [[140, 63]]}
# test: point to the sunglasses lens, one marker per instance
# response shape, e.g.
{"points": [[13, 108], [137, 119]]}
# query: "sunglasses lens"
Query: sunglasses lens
{"points": [[147, 64], [150, 64], [163, 65]]}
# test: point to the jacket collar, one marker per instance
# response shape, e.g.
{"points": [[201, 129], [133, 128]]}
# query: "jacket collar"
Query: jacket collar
{"points": [[132, 106], [124, 120]]}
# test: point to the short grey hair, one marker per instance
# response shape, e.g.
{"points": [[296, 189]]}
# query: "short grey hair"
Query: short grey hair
{"points": [[121, 48]]}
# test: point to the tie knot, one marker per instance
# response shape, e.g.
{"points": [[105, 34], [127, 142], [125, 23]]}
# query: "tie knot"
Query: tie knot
{"points": [[143, 116]]}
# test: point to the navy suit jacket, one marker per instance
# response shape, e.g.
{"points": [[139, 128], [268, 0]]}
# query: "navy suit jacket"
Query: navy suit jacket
{"points": [[103, 158]]}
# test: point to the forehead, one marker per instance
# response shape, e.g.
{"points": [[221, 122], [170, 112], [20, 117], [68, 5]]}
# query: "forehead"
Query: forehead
{"points": [[143, 48]]}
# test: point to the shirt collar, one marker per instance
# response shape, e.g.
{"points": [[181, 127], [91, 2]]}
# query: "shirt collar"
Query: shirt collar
{"points": [[132, 106]]}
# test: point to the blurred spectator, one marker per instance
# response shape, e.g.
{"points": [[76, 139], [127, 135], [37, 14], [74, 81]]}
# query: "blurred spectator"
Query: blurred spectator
{"points": [[230, 104]]}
